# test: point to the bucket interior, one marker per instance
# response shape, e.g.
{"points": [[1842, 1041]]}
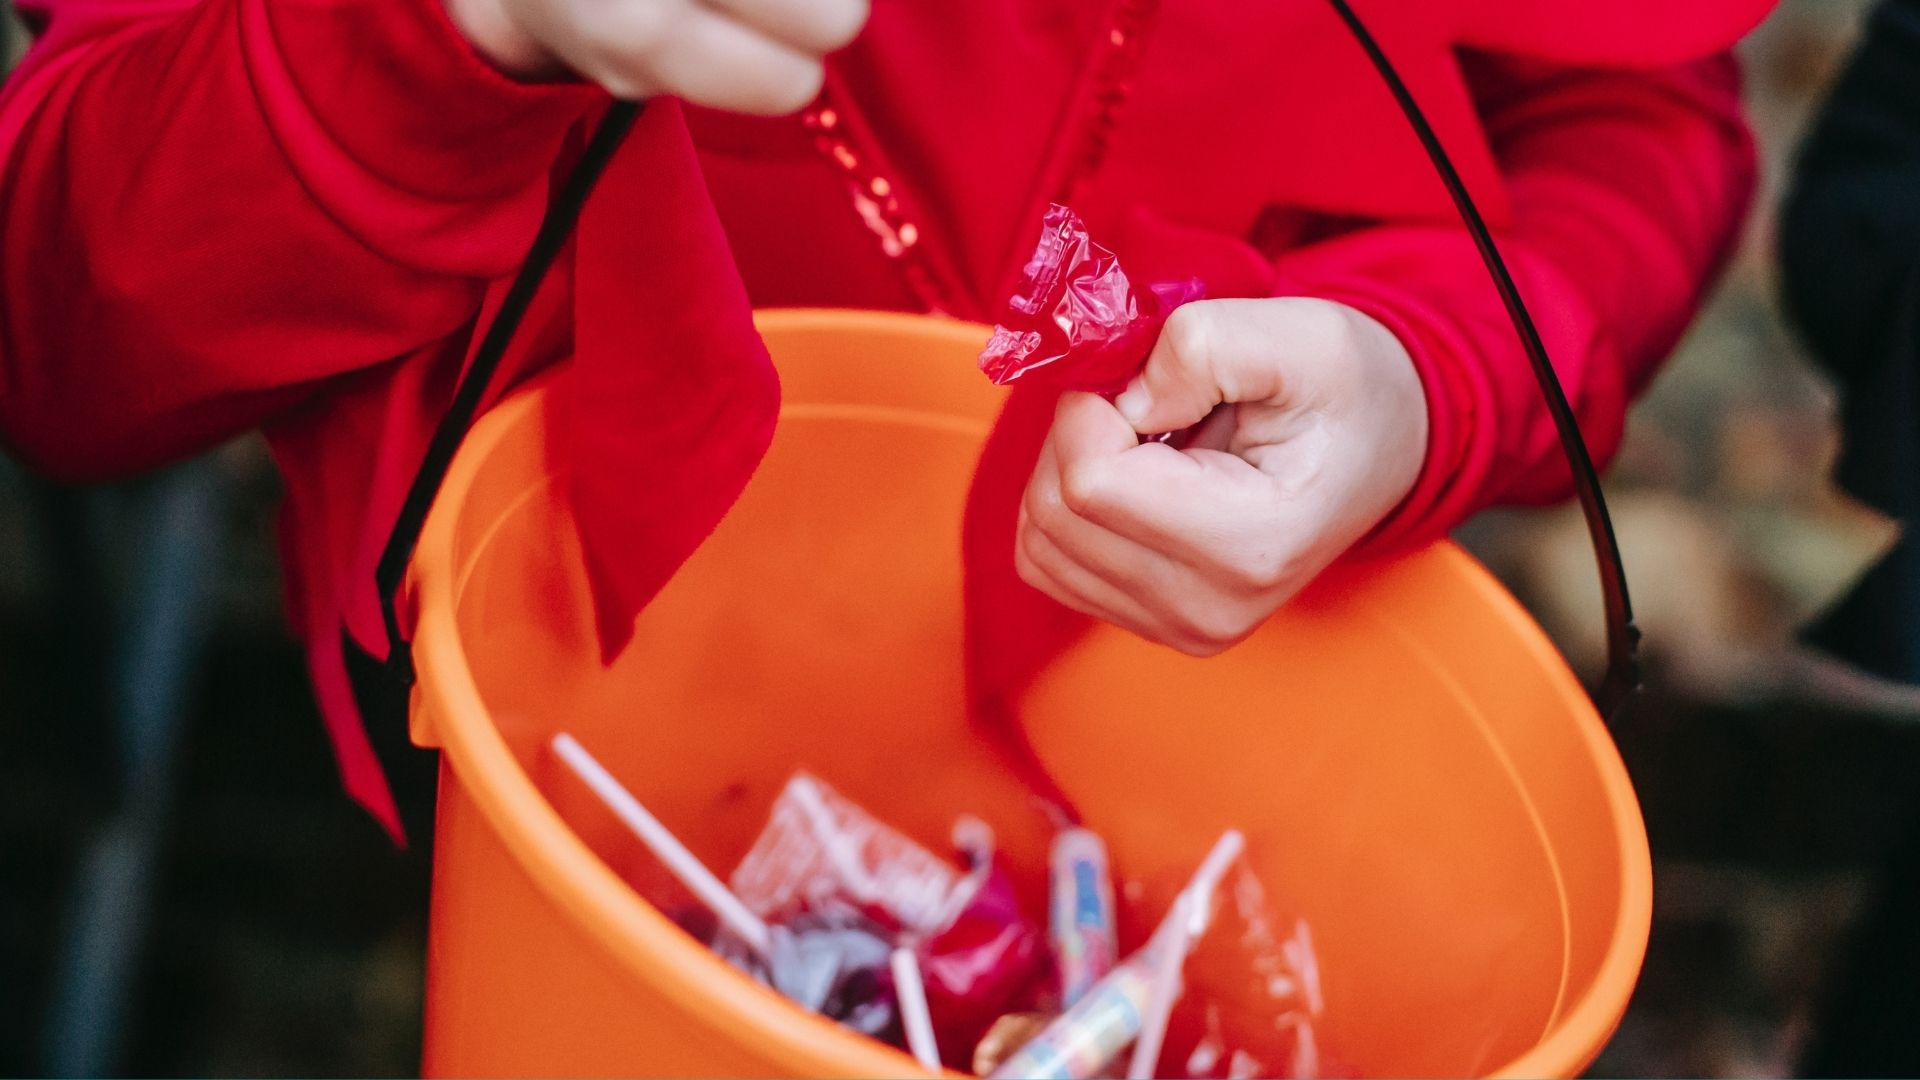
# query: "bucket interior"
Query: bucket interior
{"points": [[1415, 772]]}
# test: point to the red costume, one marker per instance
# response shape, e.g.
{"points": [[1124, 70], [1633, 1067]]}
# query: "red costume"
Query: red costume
{"points": [[293, 214]]}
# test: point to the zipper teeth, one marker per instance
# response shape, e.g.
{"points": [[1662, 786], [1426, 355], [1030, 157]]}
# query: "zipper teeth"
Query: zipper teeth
{"points": [[1126, 41], [876, 200], [875, 195]]}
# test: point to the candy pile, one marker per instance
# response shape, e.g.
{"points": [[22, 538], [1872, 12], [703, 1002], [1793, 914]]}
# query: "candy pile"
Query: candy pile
{"points": [[851, 919]]}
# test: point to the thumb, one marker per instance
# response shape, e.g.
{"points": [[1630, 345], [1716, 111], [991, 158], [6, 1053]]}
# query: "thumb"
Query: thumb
{"points": [[1176, 389], [1087, 430], [1214, 351]]}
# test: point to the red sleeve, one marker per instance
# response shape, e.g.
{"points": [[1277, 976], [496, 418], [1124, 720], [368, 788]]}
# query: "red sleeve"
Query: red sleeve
{"points": [[1628, 189], [207, 207]]}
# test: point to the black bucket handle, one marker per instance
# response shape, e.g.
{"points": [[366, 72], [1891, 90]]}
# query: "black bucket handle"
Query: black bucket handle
{"points": [[1622, 676], [391, 572]]}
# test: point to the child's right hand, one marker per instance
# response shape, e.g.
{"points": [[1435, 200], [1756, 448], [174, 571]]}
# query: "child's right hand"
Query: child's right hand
{"points": [[750, 56]]}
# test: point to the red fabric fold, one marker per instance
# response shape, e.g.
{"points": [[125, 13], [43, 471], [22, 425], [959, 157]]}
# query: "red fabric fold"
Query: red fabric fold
{"points": [[674, 397]]}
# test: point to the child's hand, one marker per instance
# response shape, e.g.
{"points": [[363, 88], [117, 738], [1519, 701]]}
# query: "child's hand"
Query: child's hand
{"points": [[1316, 428], [751, 56]]}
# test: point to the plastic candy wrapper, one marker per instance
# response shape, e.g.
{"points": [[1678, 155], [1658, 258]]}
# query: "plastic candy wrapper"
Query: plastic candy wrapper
{"points": [[1080, 913], [853, 920], [1008, 1034], [1254, 999], [822, 857], [1076, 321], [834, 964], [1130, 1005], [1086, 1039], [819, 849], [990, 960]]}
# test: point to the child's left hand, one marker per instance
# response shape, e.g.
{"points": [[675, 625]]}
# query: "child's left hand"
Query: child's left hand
{"points": [[1316, 428]]}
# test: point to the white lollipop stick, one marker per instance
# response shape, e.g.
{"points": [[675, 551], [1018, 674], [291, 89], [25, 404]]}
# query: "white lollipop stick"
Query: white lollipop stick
{"points": [[914, 1015], [1176, 936], [710, 891]]}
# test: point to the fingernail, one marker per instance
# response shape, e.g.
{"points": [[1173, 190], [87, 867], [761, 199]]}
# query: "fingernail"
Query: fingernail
{"points": [[1133, 404]]}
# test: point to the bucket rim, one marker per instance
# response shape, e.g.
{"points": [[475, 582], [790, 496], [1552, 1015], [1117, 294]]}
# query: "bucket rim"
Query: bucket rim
{"points": [[659, 954], [1582, 1026]]}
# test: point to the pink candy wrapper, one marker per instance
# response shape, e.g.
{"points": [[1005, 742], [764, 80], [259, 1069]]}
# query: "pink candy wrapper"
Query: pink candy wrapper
{"points": [[989, 962], [1076, 321], [841, 877]]}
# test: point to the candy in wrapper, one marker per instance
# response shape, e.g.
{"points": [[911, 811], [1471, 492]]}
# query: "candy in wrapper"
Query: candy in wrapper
{"points": [[1254, 995], [1081, 913], [823, 857], [1008, 1033], [819, 848], [1076, 321], [834, 964], [982, 965], [1090, 1036], [1087, 1038]]}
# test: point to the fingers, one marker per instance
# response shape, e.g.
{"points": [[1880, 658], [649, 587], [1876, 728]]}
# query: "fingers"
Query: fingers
{"points": [[1216, 351], [1180, 590], [751, 56], [1043, 565], [1210, 510], [817, 27], [641, 48], [1177, 388], [1311, 434], [726, 64]]}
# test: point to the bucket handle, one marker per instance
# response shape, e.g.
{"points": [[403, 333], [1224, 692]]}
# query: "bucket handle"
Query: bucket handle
{"points": [[1622, 676], [391, 572]]}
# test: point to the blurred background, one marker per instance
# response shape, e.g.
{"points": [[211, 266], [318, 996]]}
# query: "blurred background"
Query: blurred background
{"points": [[184, 889]]}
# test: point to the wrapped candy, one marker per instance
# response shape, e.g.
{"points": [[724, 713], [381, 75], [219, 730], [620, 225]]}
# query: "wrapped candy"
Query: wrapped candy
{"points": [[853, 920], [1081, 913], [990, 960], [835, 963], [1131, 1002], [1076, 321], [1255, 1003], [818, 848], [822, 856]]}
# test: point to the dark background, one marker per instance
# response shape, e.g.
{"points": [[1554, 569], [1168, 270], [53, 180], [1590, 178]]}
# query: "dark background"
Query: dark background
{"points": [[184, 890]]}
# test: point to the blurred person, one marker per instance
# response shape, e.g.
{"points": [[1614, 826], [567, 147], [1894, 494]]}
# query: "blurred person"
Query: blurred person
{"points": [[1850, 261], [293, 214]]}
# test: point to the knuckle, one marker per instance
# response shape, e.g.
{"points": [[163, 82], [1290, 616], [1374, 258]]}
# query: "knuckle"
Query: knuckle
{"points": [[637, 31], [791, 90], [1024, 566], [1344, 331], [1209, 630], [1262, 571], [1046, 508], [841, 22], [1186, 335], [1083, 488], [1030, 547]]}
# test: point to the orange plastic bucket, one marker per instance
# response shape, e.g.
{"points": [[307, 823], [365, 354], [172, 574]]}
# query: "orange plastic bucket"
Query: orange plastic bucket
{"points": [[1412, 763]]}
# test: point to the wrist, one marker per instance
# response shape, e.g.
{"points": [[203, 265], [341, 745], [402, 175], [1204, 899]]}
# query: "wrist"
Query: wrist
{"points": [[1442, 417]]}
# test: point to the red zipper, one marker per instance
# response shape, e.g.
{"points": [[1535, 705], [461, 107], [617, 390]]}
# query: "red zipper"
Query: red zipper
{"points": [[876, 194], [876, 198]]}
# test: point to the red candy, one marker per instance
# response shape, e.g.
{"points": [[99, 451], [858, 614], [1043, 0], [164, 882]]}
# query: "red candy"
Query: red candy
{"points": [[1076, 321], [983, 965]]}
